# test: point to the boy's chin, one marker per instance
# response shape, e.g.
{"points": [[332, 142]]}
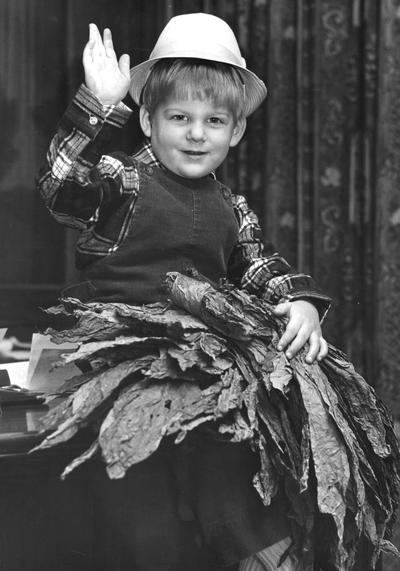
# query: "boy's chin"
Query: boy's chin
{"points": [[191, 172]]}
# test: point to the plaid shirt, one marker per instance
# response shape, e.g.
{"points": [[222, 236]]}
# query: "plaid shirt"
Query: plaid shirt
{"points": [[96, 194]]}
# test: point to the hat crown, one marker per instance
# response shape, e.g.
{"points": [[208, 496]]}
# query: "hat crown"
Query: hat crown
{"points": [[198, 35]]}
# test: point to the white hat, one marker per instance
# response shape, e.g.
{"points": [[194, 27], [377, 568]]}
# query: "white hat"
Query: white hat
{"points": [[199, 36]]}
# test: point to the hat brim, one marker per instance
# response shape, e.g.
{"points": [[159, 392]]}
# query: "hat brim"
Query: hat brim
{"points": [[255, 89]]}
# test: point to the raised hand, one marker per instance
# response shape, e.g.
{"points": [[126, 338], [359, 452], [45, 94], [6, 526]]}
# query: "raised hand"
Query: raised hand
{"points": [[107, 77]]}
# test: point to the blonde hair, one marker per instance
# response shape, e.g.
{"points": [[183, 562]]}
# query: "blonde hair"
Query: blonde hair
{"points": [[185, 78]]}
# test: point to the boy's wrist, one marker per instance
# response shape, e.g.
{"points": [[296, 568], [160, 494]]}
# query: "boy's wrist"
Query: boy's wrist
{"points": [[104, 102], [320, 301]]}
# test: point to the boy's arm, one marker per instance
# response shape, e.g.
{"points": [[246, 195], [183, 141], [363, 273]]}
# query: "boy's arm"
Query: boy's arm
{"points": [[76, 178], [263, 272]]}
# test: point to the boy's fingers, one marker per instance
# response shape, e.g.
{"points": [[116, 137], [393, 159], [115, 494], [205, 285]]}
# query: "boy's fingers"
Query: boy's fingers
{"points": [[292, 334], [324, 349], [282, 308], [299, 341], [96, 40], [87, 53], [314, 347], [124, 65], [286, 338], [88, 49], [108, 42], [92, 33]]}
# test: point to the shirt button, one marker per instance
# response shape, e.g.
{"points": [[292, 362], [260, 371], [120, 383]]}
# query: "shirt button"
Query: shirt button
{"points": [[93, 120], [149, 170]]}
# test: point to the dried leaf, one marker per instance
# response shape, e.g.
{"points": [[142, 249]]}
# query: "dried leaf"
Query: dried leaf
{"points": [[330, 461], [146, 412], [87, 399], [79, 460], [281, 374]]}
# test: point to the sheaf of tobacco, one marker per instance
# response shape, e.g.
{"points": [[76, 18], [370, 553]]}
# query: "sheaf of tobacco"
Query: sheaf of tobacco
{"points": [[210, 355]]}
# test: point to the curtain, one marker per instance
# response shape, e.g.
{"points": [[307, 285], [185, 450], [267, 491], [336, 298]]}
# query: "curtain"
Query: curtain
{"points": [[29, 79], [387, 200]]}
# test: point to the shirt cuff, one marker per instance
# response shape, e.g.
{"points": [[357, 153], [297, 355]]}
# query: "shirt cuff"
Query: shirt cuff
{"points": [[292, 287], [88, 114], [84, 113], [117, 114]]}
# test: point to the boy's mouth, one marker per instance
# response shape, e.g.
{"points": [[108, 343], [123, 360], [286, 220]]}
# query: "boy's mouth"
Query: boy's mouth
{"points": [[195, 153]]}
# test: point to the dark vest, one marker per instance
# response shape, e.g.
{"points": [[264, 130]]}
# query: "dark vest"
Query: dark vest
{"points": [[177, 223]]}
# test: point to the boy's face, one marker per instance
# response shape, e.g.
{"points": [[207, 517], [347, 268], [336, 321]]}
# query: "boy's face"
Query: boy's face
{"points": [[191, 137]]}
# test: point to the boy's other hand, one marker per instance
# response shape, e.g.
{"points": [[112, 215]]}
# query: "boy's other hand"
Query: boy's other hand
{"points": [[302, 326], [107, 77]]}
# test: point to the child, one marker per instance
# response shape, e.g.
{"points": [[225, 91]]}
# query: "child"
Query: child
{"points": [[104, 202], [163, 210]]}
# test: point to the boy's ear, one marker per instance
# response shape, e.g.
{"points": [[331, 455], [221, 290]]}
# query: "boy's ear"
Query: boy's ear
{"points": [[238, 132], [145, 122]]}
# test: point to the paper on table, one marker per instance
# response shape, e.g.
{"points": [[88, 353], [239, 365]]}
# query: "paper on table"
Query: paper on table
{"points": [[42, 375], [17, 372]]}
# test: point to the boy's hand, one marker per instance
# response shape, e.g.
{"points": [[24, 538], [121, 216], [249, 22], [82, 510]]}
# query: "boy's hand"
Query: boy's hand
{"points": [[302, 326], [104, 75]]}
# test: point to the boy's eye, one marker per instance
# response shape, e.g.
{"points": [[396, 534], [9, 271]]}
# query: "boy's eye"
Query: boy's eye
{"points": [[216, 120], [179, 117]]}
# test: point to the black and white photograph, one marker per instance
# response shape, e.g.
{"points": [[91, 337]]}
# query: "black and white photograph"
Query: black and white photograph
{"points": [[200, 285]]}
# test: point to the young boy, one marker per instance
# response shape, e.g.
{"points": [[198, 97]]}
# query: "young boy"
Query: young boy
{"points": [[162, 210]]}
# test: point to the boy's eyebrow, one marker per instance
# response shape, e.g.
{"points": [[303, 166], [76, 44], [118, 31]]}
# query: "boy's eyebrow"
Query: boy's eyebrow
{"points": [[217, 111]]}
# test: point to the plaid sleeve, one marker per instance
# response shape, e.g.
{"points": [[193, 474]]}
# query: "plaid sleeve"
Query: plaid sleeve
{"points": [[76, 179], [260, 270]]}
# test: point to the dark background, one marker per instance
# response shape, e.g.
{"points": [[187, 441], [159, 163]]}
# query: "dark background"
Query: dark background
{"points": [[319, 162]]}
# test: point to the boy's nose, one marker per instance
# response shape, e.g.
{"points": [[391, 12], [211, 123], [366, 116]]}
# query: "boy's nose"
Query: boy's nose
{"points": [[196, 132]]}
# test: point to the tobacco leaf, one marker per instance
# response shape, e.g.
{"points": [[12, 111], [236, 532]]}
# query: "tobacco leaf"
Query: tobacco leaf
{"points": [[266, 480], [86, 400], [197, 355], [91, 317], [231, 398], [330, 461], [361, 398], [270, 426], [281, 374], [375, 440], [210, 305], [145, 413], [235, 426], [89, 326], [172, 320], [127, 342], [79, 460], [71, 385]]}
